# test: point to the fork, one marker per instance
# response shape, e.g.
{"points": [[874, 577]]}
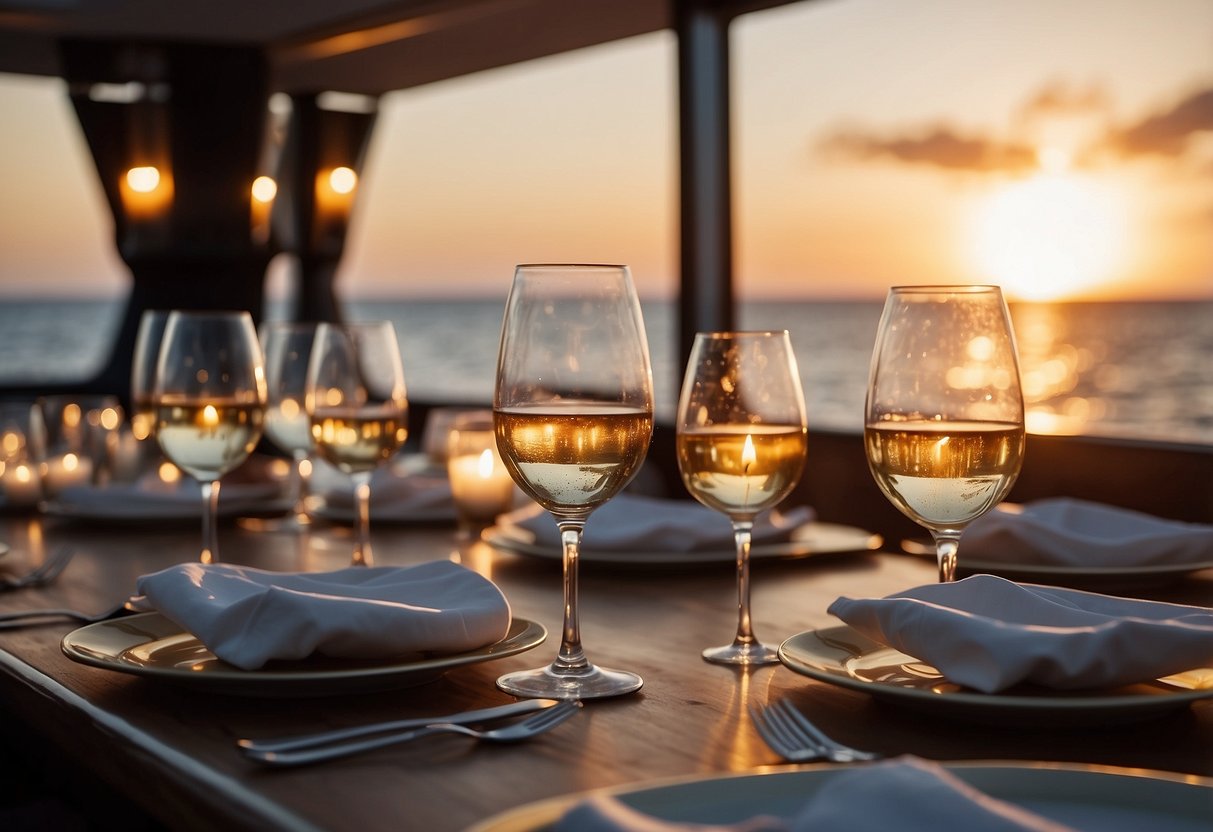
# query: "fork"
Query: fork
{"points": [[790, 735], [531, 726], [42, 574]]}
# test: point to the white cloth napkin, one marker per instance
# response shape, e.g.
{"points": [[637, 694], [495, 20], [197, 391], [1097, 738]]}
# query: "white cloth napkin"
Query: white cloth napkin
{"points": [[414, 495], [630, 521], [989, 633], [150, 494], [249, 616], [906, 793], [1067, 532]]}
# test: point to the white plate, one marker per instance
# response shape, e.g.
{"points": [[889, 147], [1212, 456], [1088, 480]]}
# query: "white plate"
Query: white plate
{"points": [[1087, 797], [1081, 577], [842, 656], [805, 541], [150, 645]]}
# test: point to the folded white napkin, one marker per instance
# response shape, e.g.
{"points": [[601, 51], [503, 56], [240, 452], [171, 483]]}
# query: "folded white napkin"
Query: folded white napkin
{"points": [[1067, 532], [906, 793], [629, 521], [249, 616], [152, 493], [989, 633], [414, 494]]}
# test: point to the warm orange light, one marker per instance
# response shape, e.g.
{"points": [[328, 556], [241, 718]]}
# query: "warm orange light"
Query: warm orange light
{"points": [[343, 180], [143, 179], [264, 189], [1051, 236]]}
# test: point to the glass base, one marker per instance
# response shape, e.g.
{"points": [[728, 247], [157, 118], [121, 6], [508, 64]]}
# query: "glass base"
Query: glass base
{"points": [[553, 682], [753, 653]]}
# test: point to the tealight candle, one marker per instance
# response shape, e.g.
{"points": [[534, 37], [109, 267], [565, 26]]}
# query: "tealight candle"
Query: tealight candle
{"points": [[480, 484], [65, 471], [20, 484]]}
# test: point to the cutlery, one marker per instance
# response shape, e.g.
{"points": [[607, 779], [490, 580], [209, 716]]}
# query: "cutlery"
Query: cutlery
{"points": [[297, 741], [12, 620], [533, 725], [42, 574], [790, 734]]}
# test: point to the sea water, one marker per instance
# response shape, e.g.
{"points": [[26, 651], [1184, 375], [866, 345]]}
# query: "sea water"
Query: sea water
{"points": [[1135, 370]]}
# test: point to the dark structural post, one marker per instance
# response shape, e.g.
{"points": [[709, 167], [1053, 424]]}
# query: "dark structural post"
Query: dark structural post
{"points": [[319, 179], [176, 133], [705, 199]]}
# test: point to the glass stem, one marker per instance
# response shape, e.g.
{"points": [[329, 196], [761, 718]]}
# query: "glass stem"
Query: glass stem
{"points": [[742, 536], [571, 656], [947, 544], [210, 522], [299, 487], [362, 499]]}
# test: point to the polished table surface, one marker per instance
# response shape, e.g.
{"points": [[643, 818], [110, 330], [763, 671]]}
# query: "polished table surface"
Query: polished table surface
{"points": [[171, 748]]}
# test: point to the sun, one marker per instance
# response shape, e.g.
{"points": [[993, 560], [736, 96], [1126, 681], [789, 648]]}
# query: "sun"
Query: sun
{"points": [[1052, 236]]}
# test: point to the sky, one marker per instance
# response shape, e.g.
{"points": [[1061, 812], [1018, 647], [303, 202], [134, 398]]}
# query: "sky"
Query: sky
{"points": [[1061, 149]]}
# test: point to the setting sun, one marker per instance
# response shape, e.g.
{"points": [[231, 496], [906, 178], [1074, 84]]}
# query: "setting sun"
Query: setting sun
{"points": [[1051, 236]]}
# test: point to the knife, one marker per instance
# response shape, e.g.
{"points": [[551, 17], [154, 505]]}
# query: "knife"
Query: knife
{"points": [[524, 706]]}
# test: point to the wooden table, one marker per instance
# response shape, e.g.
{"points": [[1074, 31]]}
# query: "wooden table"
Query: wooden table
{"points": [[171, 749]]}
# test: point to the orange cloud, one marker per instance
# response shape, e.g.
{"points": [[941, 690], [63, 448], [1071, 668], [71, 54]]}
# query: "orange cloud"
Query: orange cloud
{"points": [[939, 147], [1167, 133]]}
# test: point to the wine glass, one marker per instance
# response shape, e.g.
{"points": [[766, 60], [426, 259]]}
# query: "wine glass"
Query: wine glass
{"points": [[209, 395], [357, 408], [573, 414], [741, 440], [288, 352], [944, 420]]}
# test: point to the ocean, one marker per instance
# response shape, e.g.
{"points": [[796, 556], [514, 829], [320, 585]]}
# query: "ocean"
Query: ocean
{"points": [[1131, 370]]}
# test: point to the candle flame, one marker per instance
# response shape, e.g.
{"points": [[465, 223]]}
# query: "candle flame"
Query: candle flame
{"points": [[168, 472], [210, 416], [748, 456], [485, 466], [70, 462]]}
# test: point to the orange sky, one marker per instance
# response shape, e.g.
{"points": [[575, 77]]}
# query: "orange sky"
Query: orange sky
{"points": [[1056, 148]]}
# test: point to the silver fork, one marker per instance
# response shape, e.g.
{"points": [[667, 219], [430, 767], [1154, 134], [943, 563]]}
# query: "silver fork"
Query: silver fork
{"points": [[525, 729], [790, 735], [42, 574]]}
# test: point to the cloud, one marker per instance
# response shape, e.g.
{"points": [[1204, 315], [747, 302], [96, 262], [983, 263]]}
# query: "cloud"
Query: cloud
{"points": [[939, 147], [1061, 99], [1166, 133]]}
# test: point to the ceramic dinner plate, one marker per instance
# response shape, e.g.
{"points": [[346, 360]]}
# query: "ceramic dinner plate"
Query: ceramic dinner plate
{"points": [[805, 541], [1086, 797], [152, 646], [1080, 577], [844, 657]]}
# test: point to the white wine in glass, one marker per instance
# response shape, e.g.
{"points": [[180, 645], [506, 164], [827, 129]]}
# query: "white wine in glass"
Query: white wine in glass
{"points": [[742, 438], [209, 394], [573, 414], [944, 419], [357, 408], [288, 351]]}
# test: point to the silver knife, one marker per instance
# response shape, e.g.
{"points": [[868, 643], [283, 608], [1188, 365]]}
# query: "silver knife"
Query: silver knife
{"points": [[524, 706]]}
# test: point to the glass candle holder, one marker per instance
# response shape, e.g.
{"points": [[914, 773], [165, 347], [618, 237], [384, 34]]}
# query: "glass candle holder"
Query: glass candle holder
{"points": [[480, 484]]}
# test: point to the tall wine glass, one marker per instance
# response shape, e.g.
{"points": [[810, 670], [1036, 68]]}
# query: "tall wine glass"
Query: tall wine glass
{"points": [[944, 420], [209, 394], [288, 352], [741, 439], [357, 408], [573, 414]]}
